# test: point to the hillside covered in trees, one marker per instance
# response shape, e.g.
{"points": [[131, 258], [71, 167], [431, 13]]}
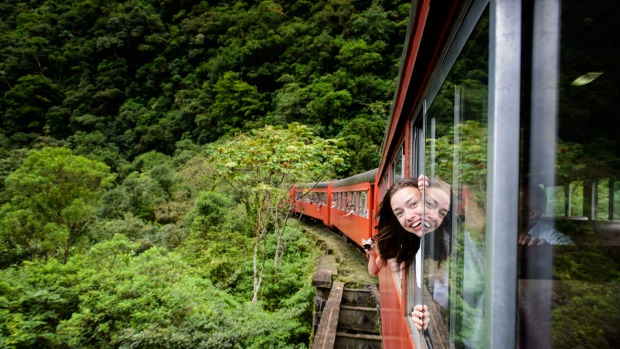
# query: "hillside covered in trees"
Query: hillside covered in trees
{"points": [[146, 152], [120, 78]]}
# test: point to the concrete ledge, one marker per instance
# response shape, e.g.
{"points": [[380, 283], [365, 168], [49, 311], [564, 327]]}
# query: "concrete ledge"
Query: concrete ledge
{"points": [[325, 337], [326, 269]]}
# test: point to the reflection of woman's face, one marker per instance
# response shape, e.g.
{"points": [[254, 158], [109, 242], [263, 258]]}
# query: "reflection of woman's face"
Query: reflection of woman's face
{"points": [[437, 205], [416, 218]]}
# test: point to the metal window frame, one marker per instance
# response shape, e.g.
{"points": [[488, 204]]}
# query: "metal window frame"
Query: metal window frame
{"points": [[502, 173]]}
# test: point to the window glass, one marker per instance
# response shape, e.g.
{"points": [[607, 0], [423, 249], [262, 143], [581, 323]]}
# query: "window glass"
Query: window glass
{"points": [[616, 200], [456, 123], [398, 165], [573, 199], [572, 145], [349, 201], [602, 199], [364, 205]]}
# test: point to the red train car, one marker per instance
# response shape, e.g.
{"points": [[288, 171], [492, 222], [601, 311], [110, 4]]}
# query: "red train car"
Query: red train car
{"points": [[352, 206], [346, 205], [312, 200]]}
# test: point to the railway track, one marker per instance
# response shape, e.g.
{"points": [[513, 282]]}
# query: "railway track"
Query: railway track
{"points": [[347, 314]]}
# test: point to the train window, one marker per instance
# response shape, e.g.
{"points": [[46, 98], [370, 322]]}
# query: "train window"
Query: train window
{"points": [[571, 150], [363, 205], [348, 198], [415, 134], [615, 200], [398, 165], [559, 203], [383, 187], [601, 199], [451, 281]]}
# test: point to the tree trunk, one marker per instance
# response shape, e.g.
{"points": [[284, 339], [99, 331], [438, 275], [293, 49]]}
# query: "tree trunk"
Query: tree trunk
{"points": [[259, 257]]}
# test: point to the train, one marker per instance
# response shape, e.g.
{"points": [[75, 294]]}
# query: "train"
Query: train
{"points": [[345, 205], [499, 98]]}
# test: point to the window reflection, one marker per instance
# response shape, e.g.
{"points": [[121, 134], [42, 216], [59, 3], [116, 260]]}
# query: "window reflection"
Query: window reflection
{"points": [[580, 179], [569, 204], [456, 153]]}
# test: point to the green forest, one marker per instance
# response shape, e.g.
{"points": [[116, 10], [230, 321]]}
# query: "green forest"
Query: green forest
{"points": [[146, 153]]}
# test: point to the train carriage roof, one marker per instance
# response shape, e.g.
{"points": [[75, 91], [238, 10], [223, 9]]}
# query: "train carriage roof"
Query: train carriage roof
{"points": [[365, 177], [313, 185]]}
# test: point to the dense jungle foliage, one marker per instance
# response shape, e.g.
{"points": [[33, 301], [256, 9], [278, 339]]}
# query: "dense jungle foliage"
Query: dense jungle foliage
{"points": [[118, 79], [146, 150]]}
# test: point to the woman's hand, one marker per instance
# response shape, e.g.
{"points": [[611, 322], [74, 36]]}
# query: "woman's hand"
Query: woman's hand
{"points": [[375, 262], [421, 317], [422, 182], [529, 240]]}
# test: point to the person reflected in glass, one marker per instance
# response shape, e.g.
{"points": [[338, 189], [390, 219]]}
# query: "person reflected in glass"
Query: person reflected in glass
{"points": [[532, 229], [537, 263], [404, 217]]}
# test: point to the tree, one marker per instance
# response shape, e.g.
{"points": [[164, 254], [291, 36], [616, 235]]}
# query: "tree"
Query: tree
{"points": [[111, 297], [54, 195], [364, 135], [149, 182], [260, 169], [236, 105], [26, 104]]}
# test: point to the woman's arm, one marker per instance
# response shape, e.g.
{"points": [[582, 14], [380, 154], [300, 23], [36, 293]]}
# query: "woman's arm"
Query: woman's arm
{"points": [[375, 262]]}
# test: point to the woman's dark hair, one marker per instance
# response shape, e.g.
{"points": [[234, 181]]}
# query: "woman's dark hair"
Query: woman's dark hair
{"points": [[395, 242]]}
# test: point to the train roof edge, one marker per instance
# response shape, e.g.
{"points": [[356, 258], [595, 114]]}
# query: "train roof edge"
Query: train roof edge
{"points": [[313, 185], [364, 177]]}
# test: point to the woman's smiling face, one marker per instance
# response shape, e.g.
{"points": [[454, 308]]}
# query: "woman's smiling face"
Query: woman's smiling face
{"points": [[407, 206], [418, 218]]}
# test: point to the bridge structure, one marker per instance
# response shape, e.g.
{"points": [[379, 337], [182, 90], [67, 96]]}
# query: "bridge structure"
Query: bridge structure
{"points": [[345, 317]]}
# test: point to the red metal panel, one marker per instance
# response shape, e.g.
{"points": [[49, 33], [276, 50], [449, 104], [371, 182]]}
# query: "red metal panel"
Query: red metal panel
{"points": [[393, 323]]}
